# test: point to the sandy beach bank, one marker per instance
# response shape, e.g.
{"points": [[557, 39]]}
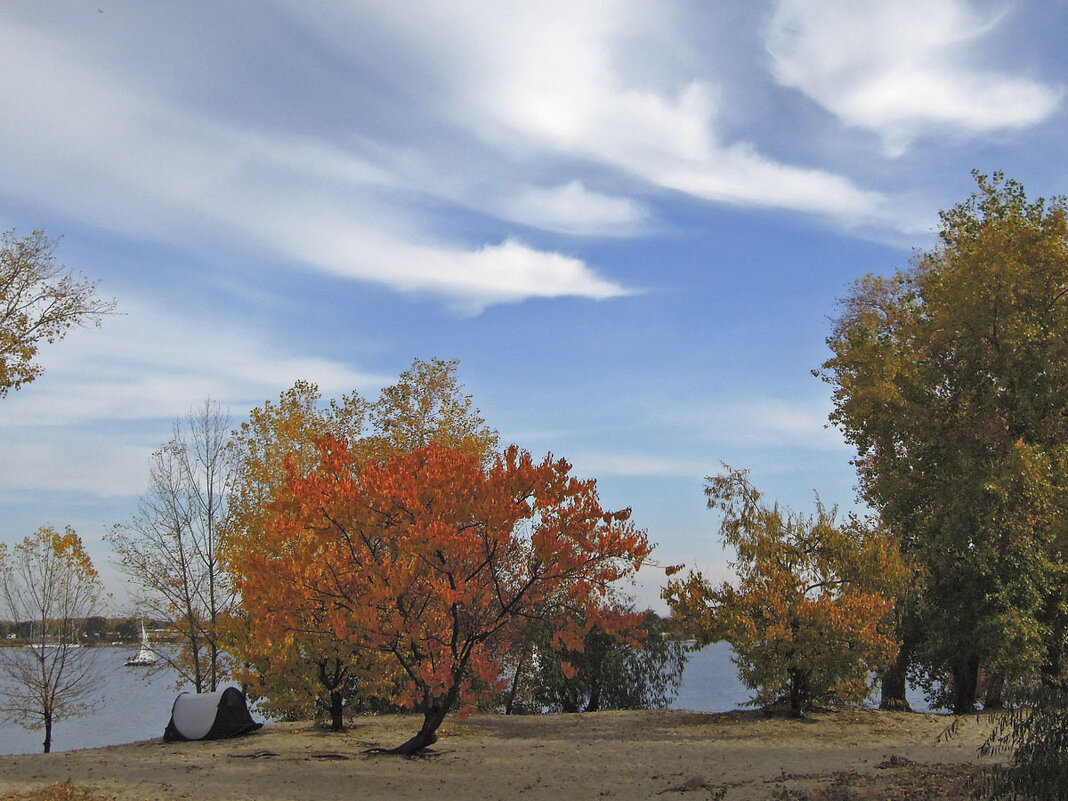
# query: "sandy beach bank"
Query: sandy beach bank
{"points": [[625, 755]]}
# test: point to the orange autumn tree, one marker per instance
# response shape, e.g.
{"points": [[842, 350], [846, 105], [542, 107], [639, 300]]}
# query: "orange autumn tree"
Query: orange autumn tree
{"points": [[296, 666], [290, 661], [811, 615], [437, 555]]}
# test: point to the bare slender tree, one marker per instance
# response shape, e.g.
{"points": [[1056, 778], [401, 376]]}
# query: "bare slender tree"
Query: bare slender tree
{"points": [[48, 581], [170, 547]]}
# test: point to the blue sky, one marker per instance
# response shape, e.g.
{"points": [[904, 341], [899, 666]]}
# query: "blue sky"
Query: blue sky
{"points": [[629, 221]]}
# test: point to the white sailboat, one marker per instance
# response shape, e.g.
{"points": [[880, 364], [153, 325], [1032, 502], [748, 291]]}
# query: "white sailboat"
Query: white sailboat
{"points": [[146, 656]]}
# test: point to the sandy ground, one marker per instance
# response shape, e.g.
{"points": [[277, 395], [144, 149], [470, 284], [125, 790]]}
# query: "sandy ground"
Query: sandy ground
{"points": [[627, 755]]}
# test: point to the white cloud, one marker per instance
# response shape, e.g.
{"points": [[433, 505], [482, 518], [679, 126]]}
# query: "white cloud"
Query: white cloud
{"points": [[109, 396], [469, 279], [632, 465], [572, 208], [672, 142], [95, 145], [61, 460], [149, 364], [544, 80], [902, 69], [686, 438]]}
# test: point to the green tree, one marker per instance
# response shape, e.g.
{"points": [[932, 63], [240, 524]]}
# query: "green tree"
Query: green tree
{"points": [[39, 302], [96, 627], [634, 667], [128, 630], [951, 379], [811, 616]]}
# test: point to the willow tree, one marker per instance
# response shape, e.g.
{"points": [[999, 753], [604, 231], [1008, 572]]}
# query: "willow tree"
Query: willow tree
{"points": [[951, 380], [632, 666]]}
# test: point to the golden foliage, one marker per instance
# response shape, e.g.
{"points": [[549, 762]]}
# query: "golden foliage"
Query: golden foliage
{"points": [[810, 617]]}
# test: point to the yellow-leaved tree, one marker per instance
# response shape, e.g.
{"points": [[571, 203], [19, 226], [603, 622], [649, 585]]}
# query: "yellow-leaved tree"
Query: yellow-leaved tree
{"points": [[40, 301], [289, 660], [48, 582], [810, 618]]}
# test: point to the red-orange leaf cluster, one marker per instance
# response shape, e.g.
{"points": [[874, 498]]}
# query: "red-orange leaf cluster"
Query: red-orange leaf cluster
{"points": [[433, 557]]}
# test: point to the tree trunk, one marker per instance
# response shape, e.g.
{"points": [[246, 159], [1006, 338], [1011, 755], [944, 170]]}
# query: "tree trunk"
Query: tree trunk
{"points": [[594, 702], [1051, 672], [337, 721], [433, 716], [333, 682], [48, 734], [214, 651], [520, 664], [434, 712], [993, 697], [194, 651], [893, 684], [798, 693], [965, 678]]}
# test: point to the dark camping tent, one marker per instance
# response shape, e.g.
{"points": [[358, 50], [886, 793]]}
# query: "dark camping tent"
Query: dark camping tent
{"points": [[209, 716]]}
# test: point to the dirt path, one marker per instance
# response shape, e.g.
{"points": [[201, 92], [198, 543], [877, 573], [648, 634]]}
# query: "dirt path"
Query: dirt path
{"points": [[627, 755]]}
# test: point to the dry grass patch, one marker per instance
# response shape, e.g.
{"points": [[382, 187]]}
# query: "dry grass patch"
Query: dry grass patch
{"points": [[61, 791]]}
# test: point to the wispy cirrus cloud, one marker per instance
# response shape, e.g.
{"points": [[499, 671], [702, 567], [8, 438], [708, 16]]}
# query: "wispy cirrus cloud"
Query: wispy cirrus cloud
{"points": [[150, 363], [573, 208], [635, 464], [62, 460], [109, 395], [687, 437], [542, 82], [765, 420], [148, 166], [904, 69]]}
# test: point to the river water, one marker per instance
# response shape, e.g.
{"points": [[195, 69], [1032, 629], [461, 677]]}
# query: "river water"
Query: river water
{"points": [[131, 705], [135, 705]]}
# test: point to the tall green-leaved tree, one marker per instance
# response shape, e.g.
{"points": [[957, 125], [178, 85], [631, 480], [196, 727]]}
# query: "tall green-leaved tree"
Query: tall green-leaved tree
{"points": [[951, 380]]}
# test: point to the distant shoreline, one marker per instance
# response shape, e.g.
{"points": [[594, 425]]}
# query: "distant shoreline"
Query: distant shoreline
{"points": [[628, 755]]}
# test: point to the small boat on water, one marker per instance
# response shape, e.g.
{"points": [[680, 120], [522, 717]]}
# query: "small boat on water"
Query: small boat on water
{"points": [[146, 657]]}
